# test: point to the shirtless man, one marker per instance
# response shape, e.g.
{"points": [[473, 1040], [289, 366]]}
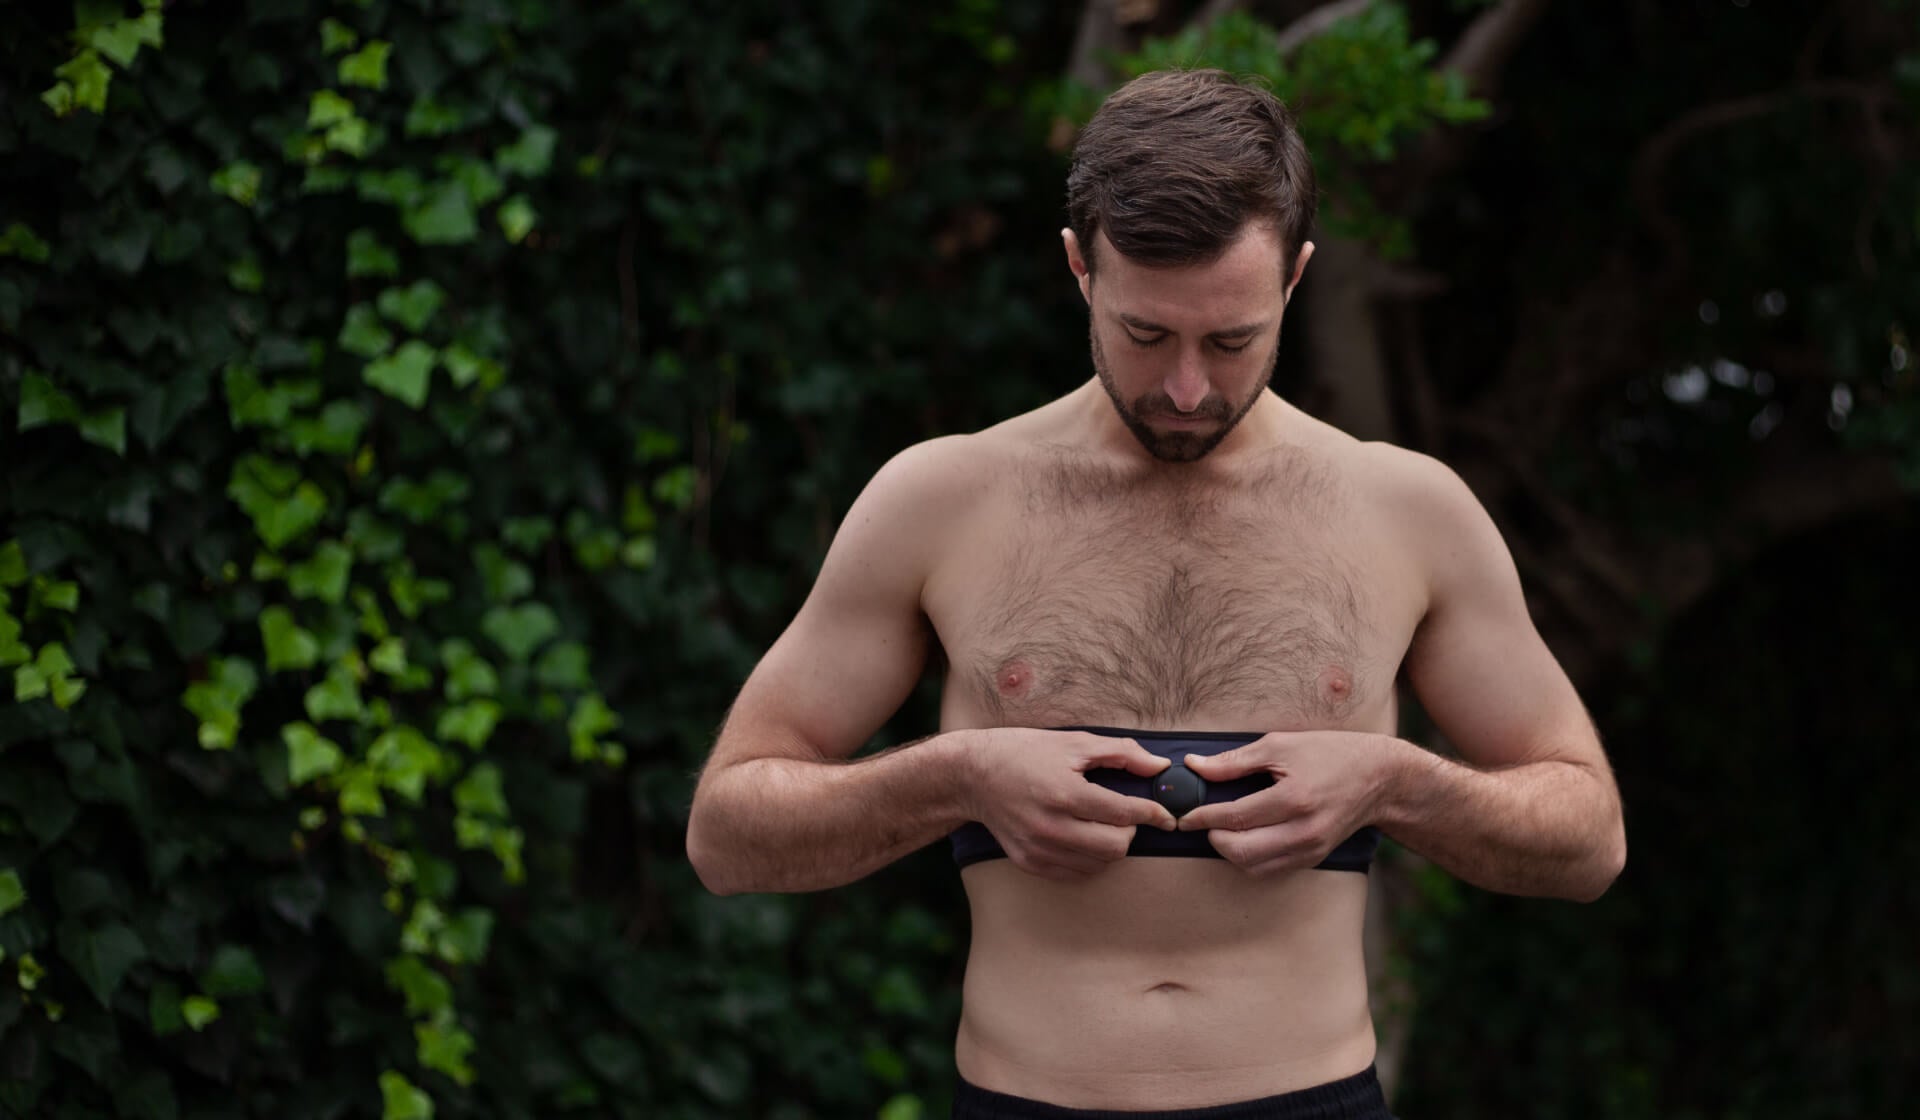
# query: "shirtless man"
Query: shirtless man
{"points": [[1168, 548]]}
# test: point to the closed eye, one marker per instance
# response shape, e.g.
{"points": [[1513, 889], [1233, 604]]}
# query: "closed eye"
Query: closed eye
{"points": [[1146, 343], [1225, 349]]}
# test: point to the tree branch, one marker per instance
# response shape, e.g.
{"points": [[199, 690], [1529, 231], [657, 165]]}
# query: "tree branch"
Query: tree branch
{"points": [[1098, 35], [1650, 165], [1481, 53]]}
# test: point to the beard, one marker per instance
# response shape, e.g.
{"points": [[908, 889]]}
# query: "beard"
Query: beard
{"points": [[1179, 445]]}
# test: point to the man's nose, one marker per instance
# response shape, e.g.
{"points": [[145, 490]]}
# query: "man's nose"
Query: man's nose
{"points": [[1188, 384]]}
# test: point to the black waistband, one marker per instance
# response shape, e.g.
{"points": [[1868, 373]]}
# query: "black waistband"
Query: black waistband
{"points": [[1350, 1098]]}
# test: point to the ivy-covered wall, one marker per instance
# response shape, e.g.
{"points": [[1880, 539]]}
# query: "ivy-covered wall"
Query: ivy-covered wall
{"points": [[416, 417]]}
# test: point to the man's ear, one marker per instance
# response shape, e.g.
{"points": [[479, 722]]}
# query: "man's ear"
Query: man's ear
{"points": [[1299, 268], [1077, 264]]}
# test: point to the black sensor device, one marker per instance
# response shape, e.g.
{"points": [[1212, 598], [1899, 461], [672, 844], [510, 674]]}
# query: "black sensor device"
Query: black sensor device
{"points": [[1179, 789]]}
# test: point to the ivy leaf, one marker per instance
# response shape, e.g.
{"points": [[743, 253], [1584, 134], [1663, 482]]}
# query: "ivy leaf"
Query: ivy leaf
{"points": [[89, 78], [445, 217], [399, 1100], [335, 431], [322, 576], [466, 367], [19, 241], [463, 940], [363, 334], [404, 759], [234, 971], [352, 136], [239, 181], [405, 374], [336, 697], [310, 754], [505, 578], [591, 719], [520, 630], [336, 36], [288, 646], [41, 403], [101, 957], [564, 666], [530, 155], [482, 793], [12, 894], [326, 108], [107, 429], [119, 41], [427, 992], [428, 117], [468, 675], [13, 564], [360, 795], [198, 1011], [517, 218], [12, 650], [414, 305], [366, 67], [471, 723], [55, 594], [281, 504], [217, 702], [367, 256], [445, 1047], [390, 656], [481, 182]]}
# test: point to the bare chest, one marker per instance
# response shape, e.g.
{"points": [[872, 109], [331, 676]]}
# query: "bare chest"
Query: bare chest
{"points": [[1237, 610]]}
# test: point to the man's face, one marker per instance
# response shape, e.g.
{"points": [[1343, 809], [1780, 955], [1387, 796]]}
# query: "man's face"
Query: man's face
{"points": [[1184, 353]]}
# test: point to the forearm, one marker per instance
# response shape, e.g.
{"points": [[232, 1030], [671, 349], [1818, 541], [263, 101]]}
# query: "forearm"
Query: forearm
{"points": [[784, 824], [1549, 828]]}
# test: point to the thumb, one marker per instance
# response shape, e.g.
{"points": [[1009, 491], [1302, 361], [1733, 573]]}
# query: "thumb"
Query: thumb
{"points": [[1227, 765], [1128, 755]]}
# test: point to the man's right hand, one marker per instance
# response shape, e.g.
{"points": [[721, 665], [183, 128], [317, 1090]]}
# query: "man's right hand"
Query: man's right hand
{"points": [[1030, 788]]}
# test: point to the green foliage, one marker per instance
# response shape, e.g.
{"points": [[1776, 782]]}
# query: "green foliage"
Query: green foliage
{"points": [[1360, 90], [368, 573]]}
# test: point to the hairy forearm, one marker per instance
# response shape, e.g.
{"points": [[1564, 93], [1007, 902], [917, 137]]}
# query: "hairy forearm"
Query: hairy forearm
{"points": [[1547, 828], [784, 824]]}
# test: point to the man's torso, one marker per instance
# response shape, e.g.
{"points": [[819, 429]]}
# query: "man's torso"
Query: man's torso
{"points": [[1268, 592]]}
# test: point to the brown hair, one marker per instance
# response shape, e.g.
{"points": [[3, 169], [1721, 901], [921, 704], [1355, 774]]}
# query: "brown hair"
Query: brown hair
{"points": [[1177, 162]]}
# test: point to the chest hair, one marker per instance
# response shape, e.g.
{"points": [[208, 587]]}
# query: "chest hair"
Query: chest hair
{"points": [[1119, 600]]}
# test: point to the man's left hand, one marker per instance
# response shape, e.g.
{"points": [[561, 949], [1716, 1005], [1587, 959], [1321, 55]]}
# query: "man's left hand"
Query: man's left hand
{"points": [[1326, 786]]}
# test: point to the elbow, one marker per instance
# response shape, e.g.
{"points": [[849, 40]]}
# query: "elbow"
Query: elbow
{"points": [[709, 861], [1604, 867]]}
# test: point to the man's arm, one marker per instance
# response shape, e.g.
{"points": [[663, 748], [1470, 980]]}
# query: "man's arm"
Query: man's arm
{"points": [[779, 807], [1531, 806]]}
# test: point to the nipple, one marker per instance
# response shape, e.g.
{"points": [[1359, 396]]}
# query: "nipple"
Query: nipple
{"points": [[1014, 678], [1336, 684]]}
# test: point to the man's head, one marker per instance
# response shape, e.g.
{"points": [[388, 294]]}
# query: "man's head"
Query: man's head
{"points": [[1190, 197]]}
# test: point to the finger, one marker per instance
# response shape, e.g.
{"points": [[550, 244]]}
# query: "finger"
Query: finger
{"points": [[1098, 803], [1121, 754], [1260, 851], [1102, 842], [1254, 758], [1269, 806]]}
